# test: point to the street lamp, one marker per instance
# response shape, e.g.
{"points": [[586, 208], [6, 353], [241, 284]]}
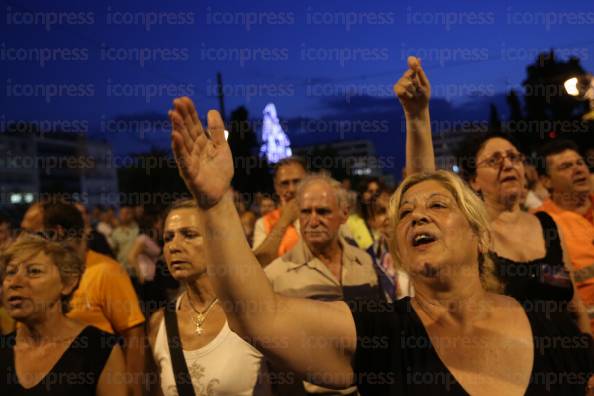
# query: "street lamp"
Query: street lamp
{"points": [[571, 86], [582, 87]]}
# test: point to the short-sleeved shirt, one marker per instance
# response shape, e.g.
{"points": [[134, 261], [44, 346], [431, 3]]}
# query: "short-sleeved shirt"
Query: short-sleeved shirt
{"points": [[264, 226], [300, 274], [105, 297], [395, 356]]}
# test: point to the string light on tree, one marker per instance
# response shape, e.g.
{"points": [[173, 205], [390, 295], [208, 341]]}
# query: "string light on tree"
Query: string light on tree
{"points": [[275, 143]]}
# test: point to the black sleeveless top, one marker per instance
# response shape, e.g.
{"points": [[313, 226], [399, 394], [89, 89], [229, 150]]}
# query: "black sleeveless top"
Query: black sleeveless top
{"points": [[395, 356], [541, 280], [76, 373]]}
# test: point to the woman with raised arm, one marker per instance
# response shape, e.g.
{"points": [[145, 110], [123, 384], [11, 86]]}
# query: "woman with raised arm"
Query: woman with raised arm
{"points": [[527, 249], [452, 338]]}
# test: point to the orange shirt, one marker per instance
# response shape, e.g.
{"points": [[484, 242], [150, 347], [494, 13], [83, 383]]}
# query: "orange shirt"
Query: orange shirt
{"points": [[105, 297], [291, 236], [578, 235]]}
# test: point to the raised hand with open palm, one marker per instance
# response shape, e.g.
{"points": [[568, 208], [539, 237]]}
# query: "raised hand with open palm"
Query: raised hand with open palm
{"points": [[203, 156]]}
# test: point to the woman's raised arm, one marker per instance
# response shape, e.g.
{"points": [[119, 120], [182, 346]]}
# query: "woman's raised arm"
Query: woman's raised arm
{"points": [[315, 339], [413, 91]]}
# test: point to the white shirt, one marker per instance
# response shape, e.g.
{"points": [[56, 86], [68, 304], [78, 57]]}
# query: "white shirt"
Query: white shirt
{"points": [[226, 366], [259, 233], [532, 200]]}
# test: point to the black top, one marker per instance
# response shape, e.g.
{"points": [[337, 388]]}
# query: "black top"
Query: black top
{"points": [[543, 279], [395, 356], [76, 373]]}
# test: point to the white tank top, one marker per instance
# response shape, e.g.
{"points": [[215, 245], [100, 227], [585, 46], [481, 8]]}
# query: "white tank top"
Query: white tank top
{"points": [[226, 366]]}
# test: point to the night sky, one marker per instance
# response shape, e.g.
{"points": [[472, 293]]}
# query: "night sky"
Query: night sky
{"points": [[112, 69]]}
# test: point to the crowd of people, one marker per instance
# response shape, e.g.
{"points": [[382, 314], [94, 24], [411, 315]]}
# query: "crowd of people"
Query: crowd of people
{"points": [[479, 283]]}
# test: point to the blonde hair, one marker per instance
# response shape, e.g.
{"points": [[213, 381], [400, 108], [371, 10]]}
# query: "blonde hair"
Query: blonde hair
{"points": [[471, 206], [70, 264]]}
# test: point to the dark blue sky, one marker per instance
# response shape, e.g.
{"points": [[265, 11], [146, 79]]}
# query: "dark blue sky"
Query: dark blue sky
{"points": [[79, 64]]}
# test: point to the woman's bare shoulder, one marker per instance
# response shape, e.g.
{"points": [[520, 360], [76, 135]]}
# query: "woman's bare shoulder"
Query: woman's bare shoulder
{"points": [[506, 307]]}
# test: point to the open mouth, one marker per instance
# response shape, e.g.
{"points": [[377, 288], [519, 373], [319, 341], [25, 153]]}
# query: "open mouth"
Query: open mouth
{"points": [[509, 179], [179, 263], [580, 180], [15, 300], [423, 238]]}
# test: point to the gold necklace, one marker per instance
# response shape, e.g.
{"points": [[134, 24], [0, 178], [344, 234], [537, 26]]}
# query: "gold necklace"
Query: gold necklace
{"points": [[200, 316]]}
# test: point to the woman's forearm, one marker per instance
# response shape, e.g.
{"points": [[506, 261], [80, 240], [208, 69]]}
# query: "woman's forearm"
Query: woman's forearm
{"points": [[280, 327], [236, 274], [419, 143]]}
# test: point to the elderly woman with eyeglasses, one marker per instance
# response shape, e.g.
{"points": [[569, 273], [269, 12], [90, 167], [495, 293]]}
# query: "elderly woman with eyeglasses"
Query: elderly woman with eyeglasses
{"points": [[527, 249], [452, 338], [49, 353]]}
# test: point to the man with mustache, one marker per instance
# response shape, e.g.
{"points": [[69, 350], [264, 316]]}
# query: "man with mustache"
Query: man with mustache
{"points": [[322, 265], [565, 175]]}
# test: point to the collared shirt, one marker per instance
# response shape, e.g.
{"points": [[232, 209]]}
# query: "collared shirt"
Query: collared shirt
{"points": [[300, 274], [578, 236]]}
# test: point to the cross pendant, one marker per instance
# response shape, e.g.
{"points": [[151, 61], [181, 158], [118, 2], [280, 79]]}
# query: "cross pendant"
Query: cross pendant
{"points": [[199, 320]]}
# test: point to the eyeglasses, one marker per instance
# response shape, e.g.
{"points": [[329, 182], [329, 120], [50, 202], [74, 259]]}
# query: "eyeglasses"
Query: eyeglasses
{"points": [[497, 159]]}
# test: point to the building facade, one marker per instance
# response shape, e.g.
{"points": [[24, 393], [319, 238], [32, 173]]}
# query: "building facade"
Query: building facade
{"points": [[38, 165]]}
